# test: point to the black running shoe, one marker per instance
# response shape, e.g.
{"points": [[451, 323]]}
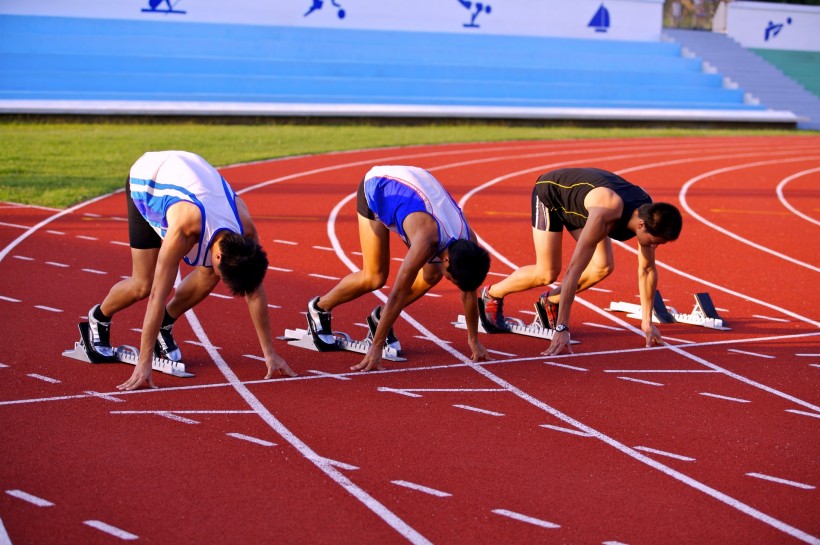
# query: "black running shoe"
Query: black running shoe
{"points": [[166, 347], [391, 341], [319, 326], [100, 333]]}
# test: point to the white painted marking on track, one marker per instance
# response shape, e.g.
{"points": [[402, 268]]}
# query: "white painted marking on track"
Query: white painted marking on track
{"points": [[221, 296], [244, 437], [86, 237], [107, 397], [422, 488], [665, 453], [111, 530], [23, 258], [2, 365], [9, 299], [804, 413], [30, 498], [808, 355], [755, 354], [324, 276], [781, 481], [197, 343], [770, 318], [94, 271], [323, 248], [500, 353], [53, 232], [649, 382], [327, 375], [120, 243], [660, 371], [48, 309], [566, 430], [43, 378], [55, 264], [565, 366], [602, 326], [341, 465], [727, 398], [288, 242], [279, 269], [525, 518], [477, 410], [4, 536]]}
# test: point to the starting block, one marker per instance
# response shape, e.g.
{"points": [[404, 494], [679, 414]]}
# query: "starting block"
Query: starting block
{"points": [[122, 354], [537, 328], [704, 314], [303, 339]]}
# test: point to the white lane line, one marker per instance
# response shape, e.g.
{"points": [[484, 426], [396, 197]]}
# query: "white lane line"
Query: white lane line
{"points": [[94, 271], [288, 242], [323, 276], [197, 343], [244, 437], [120, 243], [660, 371], [565, 366], [107, 397], [602, 326], [524, 518], [500, 353], [9, 299], [323, 248], [23, 258], [649, 382], [477, 410], [808, 355], [770, 318], [3, 365], [803, 413], [328, 375], [746, 353], [111, 530], [781, 481], [4, 536], [665, 453], [221, 296], [30, 498], [566, 430], [48, 309], [53, 232], [279, 269], [727, 398], [86, 237], [43, 378], [421, 488], [341, 465], [55, 264]]}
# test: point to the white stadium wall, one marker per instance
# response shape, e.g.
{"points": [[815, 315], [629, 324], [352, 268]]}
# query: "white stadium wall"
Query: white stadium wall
{"points": [[638, 20], [764, 25]]}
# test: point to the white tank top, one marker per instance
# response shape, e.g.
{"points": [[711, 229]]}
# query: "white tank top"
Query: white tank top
{"points": [[163, 178]]}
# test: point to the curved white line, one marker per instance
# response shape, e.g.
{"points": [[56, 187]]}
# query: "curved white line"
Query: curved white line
{"points": [[693, 181], [786, 203]]}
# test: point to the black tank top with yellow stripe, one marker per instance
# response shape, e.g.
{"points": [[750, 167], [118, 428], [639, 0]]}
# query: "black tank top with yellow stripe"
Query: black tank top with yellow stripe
{"points": [[563, 191]]}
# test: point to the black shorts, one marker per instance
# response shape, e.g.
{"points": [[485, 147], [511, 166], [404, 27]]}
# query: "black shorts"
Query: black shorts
{"points": [[544, 216], [361, 203], [141, 235]]}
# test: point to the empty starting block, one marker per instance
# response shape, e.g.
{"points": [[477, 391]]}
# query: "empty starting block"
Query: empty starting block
{"points": [[537, 328], [303, 339], [122, 354], [704, 314]]}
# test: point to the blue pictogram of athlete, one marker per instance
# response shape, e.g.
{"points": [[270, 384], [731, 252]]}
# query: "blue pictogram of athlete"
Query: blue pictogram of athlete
{"points": [[479, 8], [319, 4]]}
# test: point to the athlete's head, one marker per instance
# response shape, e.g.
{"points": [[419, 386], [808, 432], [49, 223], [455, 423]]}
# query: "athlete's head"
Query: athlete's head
{"points": [[468, 265], [243, 264], [661, 220]]}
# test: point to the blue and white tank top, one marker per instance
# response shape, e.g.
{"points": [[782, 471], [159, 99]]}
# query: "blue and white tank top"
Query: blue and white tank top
{"points": [[394, 192], [163, 178]]}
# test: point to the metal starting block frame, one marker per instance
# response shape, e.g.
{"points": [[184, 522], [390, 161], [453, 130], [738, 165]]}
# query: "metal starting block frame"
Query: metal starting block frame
{"points": [[518, 327], [122, 354], [704, 314], [303, 339]]}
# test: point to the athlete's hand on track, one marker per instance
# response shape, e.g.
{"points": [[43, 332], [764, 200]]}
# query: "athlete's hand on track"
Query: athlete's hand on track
{"points": [[479, 352], [653, 336], [276, 365], [372, 360], [560, 341], [140, 376]]}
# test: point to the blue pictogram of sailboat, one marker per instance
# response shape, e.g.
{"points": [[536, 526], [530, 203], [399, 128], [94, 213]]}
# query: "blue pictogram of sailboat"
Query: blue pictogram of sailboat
{"points": [[600, 21]]}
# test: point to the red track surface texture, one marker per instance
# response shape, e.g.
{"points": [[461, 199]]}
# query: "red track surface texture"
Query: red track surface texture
{"points": [[711, 439]]}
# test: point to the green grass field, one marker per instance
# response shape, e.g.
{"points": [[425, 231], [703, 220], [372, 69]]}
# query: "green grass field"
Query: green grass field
{"points": [[58, 163]]}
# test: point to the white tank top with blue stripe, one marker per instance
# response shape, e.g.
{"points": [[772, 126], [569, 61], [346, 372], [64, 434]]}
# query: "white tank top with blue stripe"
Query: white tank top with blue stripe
{"points": [[415, 183], [163, 178]]}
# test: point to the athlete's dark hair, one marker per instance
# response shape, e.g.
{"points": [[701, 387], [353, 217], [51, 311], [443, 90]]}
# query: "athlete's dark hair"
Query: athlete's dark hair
{"points": [[469, 264], [661, 219], [243, 265]]}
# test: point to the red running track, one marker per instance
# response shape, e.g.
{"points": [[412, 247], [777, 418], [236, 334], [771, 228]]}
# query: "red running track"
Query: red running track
{"points": [[711, 439]]}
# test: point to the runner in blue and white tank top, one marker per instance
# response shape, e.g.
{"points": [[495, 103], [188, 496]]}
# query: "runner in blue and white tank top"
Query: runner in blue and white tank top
{"points": [[181, 209], [410, 202]]}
